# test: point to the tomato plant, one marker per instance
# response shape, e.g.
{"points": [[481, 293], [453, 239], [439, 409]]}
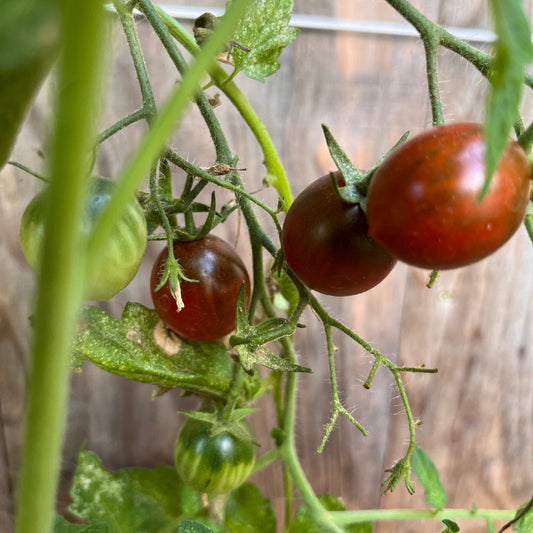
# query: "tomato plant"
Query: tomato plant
{"points": [[211, 458], [119, 262], [326, 243], [329, 244], [423, 203], [214, 275]]}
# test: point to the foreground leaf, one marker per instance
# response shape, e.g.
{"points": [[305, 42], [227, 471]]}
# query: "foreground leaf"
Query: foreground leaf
{"points": [[265, 31], [29, 35], [187, 526], [139, 347], [248, 510], [427, 474], [513, 52]]}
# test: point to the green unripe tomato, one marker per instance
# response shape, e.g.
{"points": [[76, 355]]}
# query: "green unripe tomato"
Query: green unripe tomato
{"points": [[120, 260], [214, 463]]}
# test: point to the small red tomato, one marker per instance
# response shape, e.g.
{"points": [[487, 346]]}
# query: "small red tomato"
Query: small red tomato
{"points": [[326, 244], [210, 301], [423, 199]]}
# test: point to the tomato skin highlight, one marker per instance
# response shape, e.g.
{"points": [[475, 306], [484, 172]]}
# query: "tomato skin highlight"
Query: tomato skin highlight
{"points": [[213, 463], [124, 250], [423, 203], [210, 302], [326, 244]]}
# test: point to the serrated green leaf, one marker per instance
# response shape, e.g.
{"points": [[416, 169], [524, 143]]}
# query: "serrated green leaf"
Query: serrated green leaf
{"points": [[265, 31], [513, 52], [427, 474], [249, 511], [451, 526], [188, 526], [101, 496], [304, 523], [63, 526], [128, 348]]}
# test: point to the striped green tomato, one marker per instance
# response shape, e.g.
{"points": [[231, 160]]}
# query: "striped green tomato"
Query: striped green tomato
{"points": [[211, 460], [119, 262]]}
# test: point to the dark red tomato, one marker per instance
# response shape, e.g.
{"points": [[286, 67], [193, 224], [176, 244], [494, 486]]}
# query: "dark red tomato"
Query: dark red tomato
{"points": [[210, 302], [422, 202], [326, 244]]}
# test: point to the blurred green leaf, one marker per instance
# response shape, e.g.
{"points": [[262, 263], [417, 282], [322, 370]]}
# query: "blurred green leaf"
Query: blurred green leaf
{"points": [[529, 220], [188, 526], [427, 474], [249, 511], [524, 524], [138, 347], [451, 526], [304, 523], [29, 37], [513, 52], [265, 31], [63, 526]]}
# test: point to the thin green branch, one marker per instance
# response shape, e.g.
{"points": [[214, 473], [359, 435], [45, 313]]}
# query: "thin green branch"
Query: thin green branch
{"points": [[275, 173], [344, 518]]}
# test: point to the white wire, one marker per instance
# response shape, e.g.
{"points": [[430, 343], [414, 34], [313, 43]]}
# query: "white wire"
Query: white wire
{"points": [[321, 23]]}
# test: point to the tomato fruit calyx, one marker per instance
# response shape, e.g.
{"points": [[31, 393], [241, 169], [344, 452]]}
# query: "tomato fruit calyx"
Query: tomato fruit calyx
{"points": [[212, 277], [423, 204], [211, 458], [326, 244]]}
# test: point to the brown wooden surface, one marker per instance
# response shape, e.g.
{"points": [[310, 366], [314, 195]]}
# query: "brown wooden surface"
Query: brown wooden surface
{"points": [[474, 325]]}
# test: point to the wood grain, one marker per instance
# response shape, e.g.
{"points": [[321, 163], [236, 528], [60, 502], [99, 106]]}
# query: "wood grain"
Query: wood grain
{"points": [[474, 325]]}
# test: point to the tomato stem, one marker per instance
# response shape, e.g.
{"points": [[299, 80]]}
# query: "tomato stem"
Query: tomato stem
{"points": [[61, 282]]}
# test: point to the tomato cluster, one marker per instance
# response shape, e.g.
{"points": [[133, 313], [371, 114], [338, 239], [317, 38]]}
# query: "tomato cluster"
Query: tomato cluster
{"points": [[422, 208]]}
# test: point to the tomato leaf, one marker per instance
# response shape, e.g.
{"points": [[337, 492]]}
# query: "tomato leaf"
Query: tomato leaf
{"points": [[188, 526], [451, 526], [136, 499], [63, 526], [29, 36], [249, 340], [513, 52], [304, 522], [139, 347], [524, 518], [427, 474], [247, 509], [265, 31]]}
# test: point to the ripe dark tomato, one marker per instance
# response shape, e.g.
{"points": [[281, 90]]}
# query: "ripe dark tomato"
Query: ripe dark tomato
{"points": [[326, 244], [124, 250], [210, 301], [213, 461], [422, 202]]}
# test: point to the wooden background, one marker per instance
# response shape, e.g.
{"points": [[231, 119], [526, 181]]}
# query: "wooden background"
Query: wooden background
{"points": [[474, 325]]}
